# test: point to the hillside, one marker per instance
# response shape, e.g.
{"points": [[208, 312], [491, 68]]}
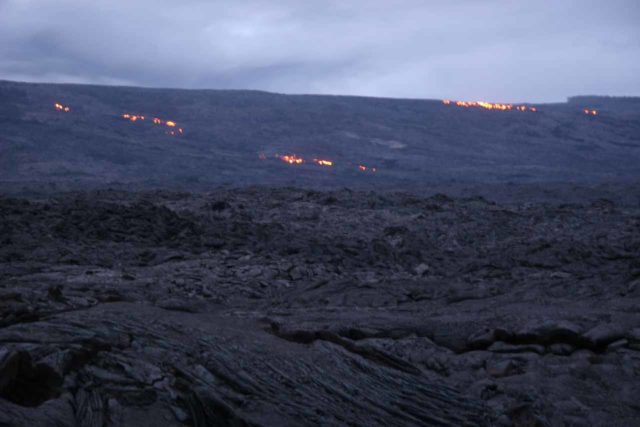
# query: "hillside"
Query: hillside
{"points": [[233, 138]]}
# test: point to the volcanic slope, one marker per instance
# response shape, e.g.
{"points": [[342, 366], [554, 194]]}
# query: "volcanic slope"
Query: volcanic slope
{"points": [[294, 307], [236, 137]]}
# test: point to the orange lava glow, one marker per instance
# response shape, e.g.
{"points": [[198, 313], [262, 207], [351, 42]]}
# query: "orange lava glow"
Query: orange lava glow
{"points": [[156, 121], [168, 123], [292, 159], [364, 168], [132, 117], [60, 107], [323, 162], [490, 105], [590, 112]]}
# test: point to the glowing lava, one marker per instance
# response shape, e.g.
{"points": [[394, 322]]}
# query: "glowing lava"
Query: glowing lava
{"points": [[156, 121], [60, 107], [590, 112], [132, 117], [292, 159], [364, 168], [490, 105], [323, 162]]}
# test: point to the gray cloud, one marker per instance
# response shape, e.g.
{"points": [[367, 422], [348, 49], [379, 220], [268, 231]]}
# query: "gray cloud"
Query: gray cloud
{"points": [[463, 49]]}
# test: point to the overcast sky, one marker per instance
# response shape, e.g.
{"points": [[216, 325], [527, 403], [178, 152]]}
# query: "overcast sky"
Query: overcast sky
{"points": [[494, 50]]}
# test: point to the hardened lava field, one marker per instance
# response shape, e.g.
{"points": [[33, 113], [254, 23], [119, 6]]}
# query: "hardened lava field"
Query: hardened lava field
{"points": [[284, 306]]}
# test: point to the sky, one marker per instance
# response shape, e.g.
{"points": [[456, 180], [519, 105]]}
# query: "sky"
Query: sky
{"points": [[491, 50]]}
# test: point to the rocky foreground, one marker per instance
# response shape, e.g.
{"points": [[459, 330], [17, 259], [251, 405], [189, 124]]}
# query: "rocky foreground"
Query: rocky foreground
{"points": [[293, 307]]}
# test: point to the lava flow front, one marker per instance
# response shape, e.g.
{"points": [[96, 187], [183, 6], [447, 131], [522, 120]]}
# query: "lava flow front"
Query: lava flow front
{"points": [[363, 168], [489, 105], [132, 117], [60, 107], [156, 121], [291, 159]]}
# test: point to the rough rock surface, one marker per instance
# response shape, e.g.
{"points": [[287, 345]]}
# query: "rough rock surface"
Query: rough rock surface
{"points": [[294, 307]]}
